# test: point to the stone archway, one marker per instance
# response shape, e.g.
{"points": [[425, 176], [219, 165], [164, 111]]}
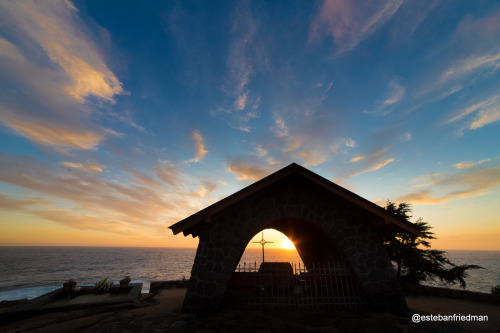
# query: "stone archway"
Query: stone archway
{"points": [[323, 223]]}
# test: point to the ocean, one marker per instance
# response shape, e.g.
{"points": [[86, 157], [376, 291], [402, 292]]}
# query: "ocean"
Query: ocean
{"points": [[28, 272]]}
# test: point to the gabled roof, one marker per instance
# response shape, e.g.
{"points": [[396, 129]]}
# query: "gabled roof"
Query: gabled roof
{"points": [[390, 220]]}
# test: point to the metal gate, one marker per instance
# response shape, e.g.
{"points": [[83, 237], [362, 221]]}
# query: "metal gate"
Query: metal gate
{"points": [[294, 286]]}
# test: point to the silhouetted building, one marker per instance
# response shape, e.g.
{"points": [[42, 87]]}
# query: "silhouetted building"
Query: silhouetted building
{"points": [[330, 226]]}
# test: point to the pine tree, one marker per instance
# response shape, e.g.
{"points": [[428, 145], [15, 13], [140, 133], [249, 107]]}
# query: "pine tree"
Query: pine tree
{"points": [[415, 261]]}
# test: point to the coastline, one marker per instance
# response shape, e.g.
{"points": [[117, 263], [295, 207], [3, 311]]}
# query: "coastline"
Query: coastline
{"points": [[90, 264]]}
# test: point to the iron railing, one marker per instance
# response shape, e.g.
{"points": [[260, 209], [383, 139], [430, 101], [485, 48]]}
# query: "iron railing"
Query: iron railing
{"points": [[295, 286]]}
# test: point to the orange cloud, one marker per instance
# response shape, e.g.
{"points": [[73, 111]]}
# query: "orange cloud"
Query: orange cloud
{"points": [[468, 165], [245, 171], [485, 117], [169, 174], [8, 203], [312, 158], [423, 197], [100, 204], [89, 166], [261, 151], [462, 185], [205, 190], [378, 165], [55, 27], [55, 133], [199, 146], [54, 112], [487, 111], [141, 178], [271, 161], [363, 157]]}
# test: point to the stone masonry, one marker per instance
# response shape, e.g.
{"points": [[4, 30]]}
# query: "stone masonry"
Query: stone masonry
{"points": [[323, 226]]}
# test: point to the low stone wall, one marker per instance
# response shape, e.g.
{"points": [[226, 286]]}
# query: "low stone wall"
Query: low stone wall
{"points": [[156, 286], [419, 290], [42, 304]]}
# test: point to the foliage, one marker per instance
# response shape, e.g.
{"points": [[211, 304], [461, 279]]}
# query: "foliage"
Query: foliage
{"points": [[415, 261], [495, 290], [103, 286]]}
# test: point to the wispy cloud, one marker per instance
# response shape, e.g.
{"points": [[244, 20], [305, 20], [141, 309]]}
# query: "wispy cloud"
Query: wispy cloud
{"points": [[99, 203], [205, 189], [395, 93], [408, 136], [57, 67], [89, 166], [473, 58], [56, 28], [370, 156], [486, 117], [471, 64], [312, 158], [379, 164], [280, 129], [309, 138], [469, 164], [198, 145], [261, 152], [470, 182], [342, 143], [9, 203], [271, 161], [244, 104], [350, 22], [369, 162], [246, 170], [63, 216], [350, 143], [169, 173], [55, 133], [141, 177], [486, 111]]}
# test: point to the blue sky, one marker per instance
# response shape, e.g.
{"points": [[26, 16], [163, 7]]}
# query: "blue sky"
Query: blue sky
{"points": [[118, 119]]}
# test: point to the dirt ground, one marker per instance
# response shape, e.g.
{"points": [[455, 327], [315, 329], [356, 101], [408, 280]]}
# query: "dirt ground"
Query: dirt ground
{"points": [[162, 313]]}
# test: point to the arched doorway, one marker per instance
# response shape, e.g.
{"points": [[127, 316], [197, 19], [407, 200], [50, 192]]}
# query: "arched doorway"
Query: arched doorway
{"points": [[280, 279], [277, 248]]}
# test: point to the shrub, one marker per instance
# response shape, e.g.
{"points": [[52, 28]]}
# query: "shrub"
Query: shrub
{"points": [[103, 285]]}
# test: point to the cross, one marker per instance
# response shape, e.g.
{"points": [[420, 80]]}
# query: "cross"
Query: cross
{"points": [[263, 242]]}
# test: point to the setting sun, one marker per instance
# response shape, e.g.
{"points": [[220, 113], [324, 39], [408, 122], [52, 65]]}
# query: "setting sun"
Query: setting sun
{"points": [[287, 244]]}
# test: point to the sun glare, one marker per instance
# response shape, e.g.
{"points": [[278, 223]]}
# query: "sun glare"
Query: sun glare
{"points": [[287, 244]]}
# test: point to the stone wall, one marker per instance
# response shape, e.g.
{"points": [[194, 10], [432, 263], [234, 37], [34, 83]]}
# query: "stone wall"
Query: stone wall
{"points": [[322, 225], [427, 291]]}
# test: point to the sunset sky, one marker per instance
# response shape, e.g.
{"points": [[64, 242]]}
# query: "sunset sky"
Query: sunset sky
{"points": [[120, 118]]}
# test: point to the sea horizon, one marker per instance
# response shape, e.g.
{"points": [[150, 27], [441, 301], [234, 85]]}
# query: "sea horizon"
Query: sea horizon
{"points": [[30, 271]]}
